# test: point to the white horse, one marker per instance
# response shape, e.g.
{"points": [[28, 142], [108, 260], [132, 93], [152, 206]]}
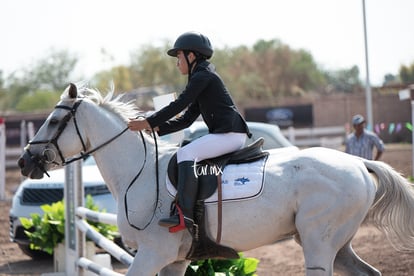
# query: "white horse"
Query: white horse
{"points": [[317, 195]]}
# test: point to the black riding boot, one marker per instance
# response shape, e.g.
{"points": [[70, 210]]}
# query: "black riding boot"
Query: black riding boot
{"points": [[187, 194], [203, 247]]}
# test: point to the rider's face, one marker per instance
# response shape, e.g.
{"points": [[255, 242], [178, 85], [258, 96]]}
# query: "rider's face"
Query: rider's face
{"points": [[182, 63]]}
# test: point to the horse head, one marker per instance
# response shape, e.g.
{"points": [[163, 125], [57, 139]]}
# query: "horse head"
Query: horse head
{"points": [[46, 151]]}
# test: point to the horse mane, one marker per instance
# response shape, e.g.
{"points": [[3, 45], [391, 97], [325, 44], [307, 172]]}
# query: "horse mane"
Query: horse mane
{"points": [[115, 104]]}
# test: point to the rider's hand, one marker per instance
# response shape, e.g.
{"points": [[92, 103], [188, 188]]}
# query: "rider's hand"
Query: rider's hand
{"points": [[138, 124]]}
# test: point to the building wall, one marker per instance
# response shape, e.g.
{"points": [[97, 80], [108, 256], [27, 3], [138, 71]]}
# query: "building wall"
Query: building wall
{"points": [[390, 115]]}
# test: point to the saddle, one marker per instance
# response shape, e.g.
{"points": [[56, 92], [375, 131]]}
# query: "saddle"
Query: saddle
{"points": [[209, 171], [209, 177]]}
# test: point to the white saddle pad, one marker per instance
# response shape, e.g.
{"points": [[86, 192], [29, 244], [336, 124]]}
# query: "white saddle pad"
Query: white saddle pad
{"points": [[239, 182]]}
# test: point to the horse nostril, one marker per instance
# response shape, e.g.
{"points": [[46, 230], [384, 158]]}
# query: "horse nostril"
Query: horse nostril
{"points": [[20, 163]]}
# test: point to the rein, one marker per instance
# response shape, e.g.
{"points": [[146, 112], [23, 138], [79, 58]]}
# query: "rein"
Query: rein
{"points": [[136, 177]]}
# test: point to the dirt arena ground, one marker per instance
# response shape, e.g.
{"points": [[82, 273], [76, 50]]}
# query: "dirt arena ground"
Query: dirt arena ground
{"points": [[283, 258]]}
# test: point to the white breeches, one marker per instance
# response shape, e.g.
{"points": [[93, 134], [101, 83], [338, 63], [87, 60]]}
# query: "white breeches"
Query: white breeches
{"points": [[211, 145]]}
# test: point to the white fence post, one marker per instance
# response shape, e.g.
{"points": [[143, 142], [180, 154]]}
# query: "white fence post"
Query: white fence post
{"points": [[23, 134], [30, 130], [291, 134], [2, 159], [76, 228]]}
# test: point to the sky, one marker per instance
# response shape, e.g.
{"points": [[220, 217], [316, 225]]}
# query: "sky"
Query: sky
{"points": [[331, 30]]}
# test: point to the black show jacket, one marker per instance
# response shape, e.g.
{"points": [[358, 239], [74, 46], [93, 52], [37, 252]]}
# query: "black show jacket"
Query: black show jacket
{"points": [[204, 94]]}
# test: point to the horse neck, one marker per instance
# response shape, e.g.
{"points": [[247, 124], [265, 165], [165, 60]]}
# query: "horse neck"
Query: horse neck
{"points": [[120, 160]]}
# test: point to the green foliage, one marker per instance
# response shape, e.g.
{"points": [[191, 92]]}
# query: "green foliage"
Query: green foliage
{"points": [[407, 73], [150, 66], [39, 100], [235, 267], [268, 71], [13, 93], [107, 230], [45, 232], [390, 79], [120, 76], [344, 80], [50, 73]]}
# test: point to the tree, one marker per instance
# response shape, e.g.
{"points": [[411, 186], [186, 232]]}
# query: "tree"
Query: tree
{"points": [[2, 92], [16, 89], [50, 73], [151, 66], [267, 71], [39, 100], [390, 79], [344, 80], [121, 77], [407, 73]]}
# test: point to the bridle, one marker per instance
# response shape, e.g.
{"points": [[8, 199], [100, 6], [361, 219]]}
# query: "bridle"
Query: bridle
{"points": [[43, 159], [40, 161]]}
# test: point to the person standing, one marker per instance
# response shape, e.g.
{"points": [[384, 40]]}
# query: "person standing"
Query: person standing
{"points": [[361, 142]]}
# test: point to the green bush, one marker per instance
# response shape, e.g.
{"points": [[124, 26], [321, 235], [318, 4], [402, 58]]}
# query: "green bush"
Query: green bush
{"points": [[233, 267], [46, 231]]}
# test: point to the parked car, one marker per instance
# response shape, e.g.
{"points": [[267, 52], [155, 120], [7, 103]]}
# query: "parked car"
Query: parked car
{"points": [[32, 193], [271, 134]]}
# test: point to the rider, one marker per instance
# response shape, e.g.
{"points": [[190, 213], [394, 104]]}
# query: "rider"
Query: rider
{"points": [[205, 94]]}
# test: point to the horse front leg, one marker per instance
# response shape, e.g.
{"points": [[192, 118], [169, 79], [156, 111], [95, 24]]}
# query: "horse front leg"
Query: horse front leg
{"points": [[148, 261], [160, 253]]}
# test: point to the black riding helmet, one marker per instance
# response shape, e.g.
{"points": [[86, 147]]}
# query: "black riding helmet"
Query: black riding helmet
{"points": [[192, 42]]}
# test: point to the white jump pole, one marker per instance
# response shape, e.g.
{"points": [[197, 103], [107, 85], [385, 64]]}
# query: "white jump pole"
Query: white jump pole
{"points": [[95, 216], [109, 246], [2, 159], [96, 268], [74, 239]]}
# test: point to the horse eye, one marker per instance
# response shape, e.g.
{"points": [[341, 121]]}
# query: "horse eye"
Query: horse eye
{"points": [[53, 121]]}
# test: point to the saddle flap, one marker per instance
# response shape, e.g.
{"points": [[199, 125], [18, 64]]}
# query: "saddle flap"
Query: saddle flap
{"points": [[208, 181]]}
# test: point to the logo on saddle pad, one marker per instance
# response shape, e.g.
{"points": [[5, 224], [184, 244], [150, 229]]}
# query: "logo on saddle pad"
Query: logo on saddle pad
{"points": [[239, 181], [206, 169]]}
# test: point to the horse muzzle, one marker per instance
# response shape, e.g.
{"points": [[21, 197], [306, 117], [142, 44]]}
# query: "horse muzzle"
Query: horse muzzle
{"points": [[31, 166]]}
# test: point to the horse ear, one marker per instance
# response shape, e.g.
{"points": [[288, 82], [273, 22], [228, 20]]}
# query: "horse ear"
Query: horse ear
{"points": [[73, 91]]}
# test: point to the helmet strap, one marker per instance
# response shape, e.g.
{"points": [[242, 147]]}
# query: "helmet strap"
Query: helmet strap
{"points": [[190, 64]]}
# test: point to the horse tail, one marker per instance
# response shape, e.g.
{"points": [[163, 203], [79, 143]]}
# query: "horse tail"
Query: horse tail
{"points": [[393, 206]]}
